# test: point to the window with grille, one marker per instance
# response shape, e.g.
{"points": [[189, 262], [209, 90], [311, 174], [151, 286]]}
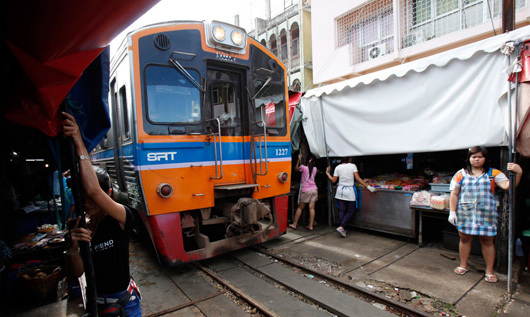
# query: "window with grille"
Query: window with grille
{"points": [[424, 20], [295, 49], [283, 45], [274, 45], [369, 31]]}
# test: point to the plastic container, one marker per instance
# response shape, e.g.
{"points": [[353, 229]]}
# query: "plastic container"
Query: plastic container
{"points": [[451, 240], [442, 188]]}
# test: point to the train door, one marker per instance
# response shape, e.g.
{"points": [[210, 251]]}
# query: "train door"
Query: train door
{"points": [[228, 120], [117, 98]]}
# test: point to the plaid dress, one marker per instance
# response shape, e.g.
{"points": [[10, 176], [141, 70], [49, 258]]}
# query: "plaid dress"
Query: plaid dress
{"points": [[476, 211]]}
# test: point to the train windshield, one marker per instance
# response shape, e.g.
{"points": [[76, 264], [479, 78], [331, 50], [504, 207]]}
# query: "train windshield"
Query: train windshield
{"points": [[224, 103], [271, 104], [171, 97]]}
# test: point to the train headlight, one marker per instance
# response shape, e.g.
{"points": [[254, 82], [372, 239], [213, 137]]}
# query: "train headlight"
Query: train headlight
{"points": [[225, 37], [237, 38], [283, 177], [164, 190], [219, 33]]}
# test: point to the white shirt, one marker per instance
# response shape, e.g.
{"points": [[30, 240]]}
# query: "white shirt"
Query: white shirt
{"points": [[345, 189]]}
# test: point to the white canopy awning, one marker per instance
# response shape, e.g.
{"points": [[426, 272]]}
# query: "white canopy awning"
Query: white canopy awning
{"points": [[452, 100]]}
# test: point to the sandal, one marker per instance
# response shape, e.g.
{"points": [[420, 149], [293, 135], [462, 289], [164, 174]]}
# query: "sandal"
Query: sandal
{"points": [[310, 229], [491, 278], [292, 227], [460, 270]]}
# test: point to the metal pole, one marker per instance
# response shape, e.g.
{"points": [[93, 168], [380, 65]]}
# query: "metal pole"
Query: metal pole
{"points": [[329, 188], [511, 190], [91, 306]]}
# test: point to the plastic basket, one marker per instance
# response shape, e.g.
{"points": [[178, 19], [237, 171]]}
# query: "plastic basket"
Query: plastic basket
{"points": [[442, 188], [38, 283]]}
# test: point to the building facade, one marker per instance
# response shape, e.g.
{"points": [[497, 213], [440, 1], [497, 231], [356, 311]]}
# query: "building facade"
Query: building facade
{"points": [[288, 36], [356, 37]]}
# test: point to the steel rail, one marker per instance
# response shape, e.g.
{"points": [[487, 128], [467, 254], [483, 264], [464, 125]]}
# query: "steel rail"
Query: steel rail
{"points": [[237, 291], [401, 307]]}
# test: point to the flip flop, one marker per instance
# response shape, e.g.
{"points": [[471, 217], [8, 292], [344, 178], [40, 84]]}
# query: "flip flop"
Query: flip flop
{"points": [[307, 228], [292, 227], [491, 278], [460, 270]]}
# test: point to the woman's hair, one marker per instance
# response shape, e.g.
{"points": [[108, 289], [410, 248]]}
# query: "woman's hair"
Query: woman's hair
{"points": [[311, 164], [475, 150], [103, 178]]}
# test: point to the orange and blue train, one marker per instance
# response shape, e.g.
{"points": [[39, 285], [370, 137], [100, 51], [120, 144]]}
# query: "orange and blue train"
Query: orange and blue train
{"points": [[199, 144]]}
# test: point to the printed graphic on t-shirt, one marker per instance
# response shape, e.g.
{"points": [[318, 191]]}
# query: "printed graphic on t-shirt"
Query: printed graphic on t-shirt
{"points": [[103, 246]]}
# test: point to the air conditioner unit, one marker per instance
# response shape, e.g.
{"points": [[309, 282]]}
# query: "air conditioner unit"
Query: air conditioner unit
{"points": [[376, 51], [413, 38], [420, 36]]}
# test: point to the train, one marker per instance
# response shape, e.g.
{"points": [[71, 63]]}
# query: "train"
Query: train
{"points": [[199, 145]]}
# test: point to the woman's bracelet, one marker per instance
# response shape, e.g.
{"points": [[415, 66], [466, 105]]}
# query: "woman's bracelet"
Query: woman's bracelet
{"points": [[67, 252]]}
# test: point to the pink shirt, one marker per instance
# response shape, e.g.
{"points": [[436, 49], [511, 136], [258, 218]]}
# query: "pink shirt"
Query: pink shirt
{"points": [[308, 183]]}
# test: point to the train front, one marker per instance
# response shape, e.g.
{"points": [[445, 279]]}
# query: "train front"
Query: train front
{"points": [[213, 154]]}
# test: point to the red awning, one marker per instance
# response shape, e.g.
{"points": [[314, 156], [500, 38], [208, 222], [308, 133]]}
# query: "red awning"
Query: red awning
{"points": [[294, 99], [53, 42]]}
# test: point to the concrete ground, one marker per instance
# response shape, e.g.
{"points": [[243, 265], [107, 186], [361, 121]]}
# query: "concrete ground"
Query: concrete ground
{"points": [[369, 258]]}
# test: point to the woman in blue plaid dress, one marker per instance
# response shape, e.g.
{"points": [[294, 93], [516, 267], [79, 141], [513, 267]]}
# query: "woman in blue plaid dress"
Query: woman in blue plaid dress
{"points": [[473, 208]]}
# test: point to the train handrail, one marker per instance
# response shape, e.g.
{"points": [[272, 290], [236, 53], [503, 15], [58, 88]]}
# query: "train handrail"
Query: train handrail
{"points": [[215, 149], [260, 149]]}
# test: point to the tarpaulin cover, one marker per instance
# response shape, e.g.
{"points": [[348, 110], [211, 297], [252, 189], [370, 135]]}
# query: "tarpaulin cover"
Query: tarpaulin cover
{"points": [[53, 42], [88, 101], [449, 101]]}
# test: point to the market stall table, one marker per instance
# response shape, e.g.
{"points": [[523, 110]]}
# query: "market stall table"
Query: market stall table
{"points": [[425, 211], [386, 211]]}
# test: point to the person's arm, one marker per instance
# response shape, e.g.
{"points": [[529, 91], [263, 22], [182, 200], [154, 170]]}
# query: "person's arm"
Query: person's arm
{"points": [[362, 182], [518, 174], [74, 258], [453, 199], [297, 167], [71, 212], [333, 179], [88, 175], [453, 202]]}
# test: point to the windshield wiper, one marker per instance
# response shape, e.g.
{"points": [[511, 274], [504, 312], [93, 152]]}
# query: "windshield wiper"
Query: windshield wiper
{"points": [[185, 73], [262, 87]]}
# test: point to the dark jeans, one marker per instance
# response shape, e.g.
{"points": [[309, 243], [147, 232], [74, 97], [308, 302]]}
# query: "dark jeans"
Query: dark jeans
{"points": [[346, 211]]}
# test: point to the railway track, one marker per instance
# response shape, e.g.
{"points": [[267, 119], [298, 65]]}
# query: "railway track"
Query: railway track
{"points": [[319, 289]]}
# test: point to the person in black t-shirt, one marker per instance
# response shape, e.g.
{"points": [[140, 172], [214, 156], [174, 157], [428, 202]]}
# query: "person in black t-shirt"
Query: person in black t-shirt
{"points": [[108, 229]]}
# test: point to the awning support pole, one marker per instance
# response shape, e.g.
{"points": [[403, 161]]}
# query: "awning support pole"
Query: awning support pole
{"points": [[329, 187], [512, 158]]}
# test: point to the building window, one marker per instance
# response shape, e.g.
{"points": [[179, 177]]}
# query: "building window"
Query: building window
{"points": [[295, 44], [296, 85], [283, 46], [424, 20], [274, 45], [369, 31]]}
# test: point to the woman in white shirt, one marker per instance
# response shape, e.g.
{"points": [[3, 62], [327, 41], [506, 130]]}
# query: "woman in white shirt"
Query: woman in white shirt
{"points": [[346, 174]]}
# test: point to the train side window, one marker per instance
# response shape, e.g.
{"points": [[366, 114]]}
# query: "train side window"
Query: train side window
{"points": [[125, 114], [171, 98], [270, 104], [224, 103], [104, 143]]}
